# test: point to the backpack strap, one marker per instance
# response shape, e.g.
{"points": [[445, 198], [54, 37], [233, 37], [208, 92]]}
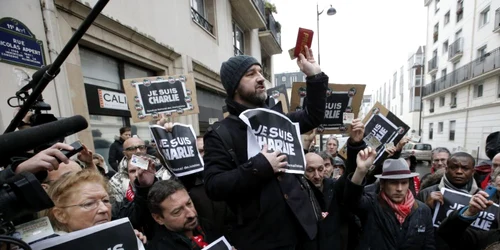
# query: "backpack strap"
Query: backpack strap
{"points": [[225, 137], [227, 142]]}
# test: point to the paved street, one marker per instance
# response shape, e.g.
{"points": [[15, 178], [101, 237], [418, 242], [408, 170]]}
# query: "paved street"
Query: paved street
{"points": [[423, 168]]}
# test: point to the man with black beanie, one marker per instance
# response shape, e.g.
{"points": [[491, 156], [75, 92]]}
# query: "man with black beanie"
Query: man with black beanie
{"points": [[273, 210]]}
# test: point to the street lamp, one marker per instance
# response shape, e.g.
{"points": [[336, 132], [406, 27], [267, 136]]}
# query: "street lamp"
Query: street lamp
{"points": [[331, 11], [421, 67]]}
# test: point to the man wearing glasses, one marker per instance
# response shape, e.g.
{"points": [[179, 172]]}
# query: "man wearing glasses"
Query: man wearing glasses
{"points": [[120, 184], [458, 176]]}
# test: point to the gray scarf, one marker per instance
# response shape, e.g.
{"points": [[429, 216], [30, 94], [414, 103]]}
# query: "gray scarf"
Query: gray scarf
{"points": [[471, 187]]}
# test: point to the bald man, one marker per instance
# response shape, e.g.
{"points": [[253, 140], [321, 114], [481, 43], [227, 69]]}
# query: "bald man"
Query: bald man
{"points": [[315, 170]]}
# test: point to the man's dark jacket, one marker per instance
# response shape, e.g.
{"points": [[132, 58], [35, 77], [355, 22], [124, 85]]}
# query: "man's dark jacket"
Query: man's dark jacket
{"points": [[273, 210], [165, 239], [457, 233], [333, 230], [382, 230], [116, 153]]}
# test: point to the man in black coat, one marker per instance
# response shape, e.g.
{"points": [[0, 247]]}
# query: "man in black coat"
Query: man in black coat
{"points": [[391, 219], [456, 228], [338, 229], [274, 210]]}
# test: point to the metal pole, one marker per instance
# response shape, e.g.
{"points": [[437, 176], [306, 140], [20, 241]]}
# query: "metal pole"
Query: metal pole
{"points": [[421, 100], [51, 73], [317, 23], [319, 62]]}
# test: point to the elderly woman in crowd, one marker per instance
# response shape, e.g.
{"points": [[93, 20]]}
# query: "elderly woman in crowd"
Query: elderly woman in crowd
{"points": [[81, 200]]}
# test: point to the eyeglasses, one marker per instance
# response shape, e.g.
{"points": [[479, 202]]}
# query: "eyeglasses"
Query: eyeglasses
{"points": [[92, 204], [438, 160], [134, 148]]}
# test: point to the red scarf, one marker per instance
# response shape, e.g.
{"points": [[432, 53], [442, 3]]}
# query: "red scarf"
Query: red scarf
{"points": [[403, 209], [199, 239], [130, 193], [416, 182]]}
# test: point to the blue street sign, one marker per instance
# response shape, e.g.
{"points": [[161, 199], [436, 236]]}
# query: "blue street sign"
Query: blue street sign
{"points": [[19, 46]]}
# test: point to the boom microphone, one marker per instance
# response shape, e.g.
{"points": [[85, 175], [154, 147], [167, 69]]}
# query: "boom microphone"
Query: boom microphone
{"points": [[30, 138]]}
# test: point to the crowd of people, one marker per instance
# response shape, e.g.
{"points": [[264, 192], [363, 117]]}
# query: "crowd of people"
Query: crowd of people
{"points": [[339, 202]]}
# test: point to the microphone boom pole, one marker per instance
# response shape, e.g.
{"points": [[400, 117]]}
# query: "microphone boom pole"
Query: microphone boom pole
{"points": [[51, 73]]}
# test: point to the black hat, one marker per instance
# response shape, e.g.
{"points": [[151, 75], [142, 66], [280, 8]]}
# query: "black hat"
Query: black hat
{"points": [[492, 144], [233, 70]]}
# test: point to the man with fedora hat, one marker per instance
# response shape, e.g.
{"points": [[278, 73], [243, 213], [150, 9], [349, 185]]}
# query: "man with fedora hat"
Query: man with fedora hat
{"points": [[391, 218]]}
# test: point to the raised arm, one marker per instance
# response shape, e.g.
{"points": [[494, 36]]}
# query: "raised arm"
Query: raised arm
{"points": [[317, 83]]}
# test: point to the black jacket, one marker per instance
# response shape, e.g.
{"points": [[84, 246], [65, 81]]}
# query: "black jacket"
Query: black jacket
{"points": [[137, 211], [275, 210], [333, 230], [165, 239], [381, 229], [457, 233], [115, 153]]}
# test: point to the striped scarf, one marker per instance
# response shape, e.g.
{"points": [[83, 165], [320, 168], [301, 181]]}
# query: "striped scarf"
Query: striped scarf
{"points": [[403, 209]]}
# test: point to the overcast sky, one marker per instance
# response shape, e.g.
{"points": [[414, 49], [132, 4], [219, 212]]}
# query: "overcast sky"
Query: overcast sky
{"points": [[364, 43]]}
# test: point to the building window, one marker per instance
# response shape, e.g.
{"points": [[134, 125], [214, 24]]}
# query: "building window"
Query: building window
{"points": [[443, 74], [199, 14], [452, 130], [238, 40], [436, 6], [441, 101], [478, 90], [481, 53], [453, 102], [436, 32], [447, 18], [460, 10], [484, 17], [440, 127], [445, 47], [433, 78], [431, 128], [498, 88], [431, 108]]}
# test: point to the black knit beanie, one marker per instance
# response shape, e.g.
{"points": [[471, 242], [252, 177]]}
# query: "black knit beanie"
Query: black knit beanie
{"points": [[233, 70]]}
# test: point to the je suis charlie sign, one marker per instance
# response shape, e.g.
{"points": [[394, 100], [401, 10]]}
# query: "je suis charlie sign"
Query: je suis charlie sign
{"points": [[19, 46]]}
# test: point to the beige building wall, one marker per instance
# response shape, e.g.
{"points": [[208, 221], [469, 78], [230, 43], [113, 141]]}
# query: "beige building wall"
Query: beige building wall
{"points": [[163, 39]]}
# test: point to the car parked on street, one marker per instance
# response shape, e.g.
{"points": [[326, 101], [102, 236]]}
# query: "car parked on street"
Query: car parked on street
{"points": [[421, 151]]}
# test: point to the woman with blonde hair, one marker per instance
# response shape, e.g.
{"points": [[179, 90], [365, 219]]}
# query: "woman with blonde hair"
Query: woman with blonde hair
{"points": [[81, 200]]}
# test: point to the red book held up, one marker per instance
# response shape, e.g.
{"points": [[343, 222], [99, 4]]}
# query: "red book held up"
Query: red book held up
{"points": [[304, 38]]}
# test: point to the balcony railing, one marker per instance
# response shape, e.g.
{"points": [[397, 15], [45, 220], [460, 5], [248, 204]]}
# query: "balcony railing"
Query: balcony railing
{"points": [[433, 64], [456, 48], [200, 19], [271, 25], [260, 6], [490, 61]]}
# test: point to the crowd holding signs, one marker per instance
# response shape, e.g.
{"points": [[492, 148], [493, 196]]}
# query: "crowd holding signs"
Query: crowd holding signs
{"points": [[454, 200], [150, 97], [178, 148], [343, 102], [381, 128]]}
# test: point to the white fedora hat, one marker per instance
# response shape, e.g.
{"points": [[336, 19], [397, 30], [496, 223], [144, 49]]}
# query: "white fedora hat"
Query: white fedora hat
{"points": [[396, 169]]}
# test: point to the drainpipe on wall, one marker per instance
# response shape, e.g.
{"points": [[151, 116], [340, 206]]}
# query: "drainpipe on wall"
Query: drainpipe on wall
{"points": [[54, 44]]}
